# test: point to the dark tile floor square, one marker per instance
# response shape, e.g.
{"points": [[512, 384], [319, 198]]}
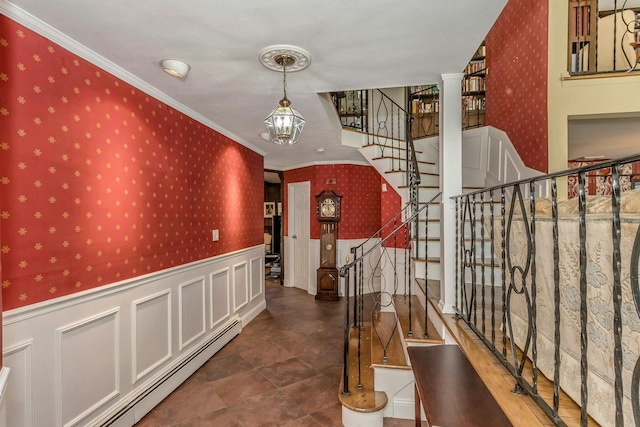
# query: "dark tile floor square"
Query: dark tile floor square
{"points": [[282, 370]]}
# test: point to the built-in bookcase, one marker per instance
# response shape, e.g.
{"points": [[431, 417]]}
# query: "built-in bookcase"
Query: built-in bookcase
{"points": [[473, 90]]}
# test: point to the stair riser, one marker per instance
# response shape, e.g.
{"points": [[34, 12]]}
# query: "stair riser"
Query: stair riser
{"points": [[433, 229], [433, 269]]}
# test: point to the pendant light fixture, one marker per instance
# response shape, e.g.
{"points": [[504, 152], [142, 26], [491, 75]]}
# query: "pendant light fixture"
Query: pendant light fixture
{"points": [[284, 124]]}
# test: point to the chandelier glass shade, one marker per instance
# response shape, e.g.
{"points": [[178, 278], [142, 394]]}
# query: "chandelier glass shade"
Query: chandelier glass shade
{"points": [[284, 124]]}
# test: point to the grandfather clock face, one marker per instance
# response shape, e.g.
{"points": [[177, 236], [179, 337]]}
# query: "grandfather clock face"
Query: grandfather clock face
{"points": [[328, 206]]}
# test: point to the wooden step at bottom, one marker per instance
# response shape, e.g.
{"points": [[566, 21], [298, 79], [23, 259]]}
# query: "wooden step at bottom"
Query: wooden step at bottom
{"points": [[416, 327], [386, 345], [366, 399]]}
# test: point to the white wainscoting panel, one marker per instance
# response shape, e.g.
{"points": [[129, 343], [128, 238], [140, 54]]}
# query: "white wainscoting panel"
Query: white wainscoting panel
{"points": [[20, 383], [82, 384], [472, 157], [240, 285], [151, 333], [191, 315], [494, 160], [219, 297], [4, 380], [257, 277], [106, 356]]}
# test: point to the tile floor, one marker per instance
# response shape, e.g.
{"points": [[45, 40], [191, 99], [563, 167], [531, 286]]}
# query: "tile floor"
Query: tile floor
{"points": [[282, 370]]}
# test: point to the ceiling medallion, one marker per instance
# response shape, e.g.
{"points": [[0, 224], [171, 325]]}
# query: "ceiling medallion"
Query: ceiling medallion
{"points": [[271, 57]]}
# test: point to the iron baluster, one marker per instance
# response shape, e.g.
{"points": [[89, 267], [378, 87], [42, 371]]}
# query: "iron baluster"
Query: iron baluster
{"points": [[582, 208], [617, 294], [492, 254], [556, 297], [534, 307]]}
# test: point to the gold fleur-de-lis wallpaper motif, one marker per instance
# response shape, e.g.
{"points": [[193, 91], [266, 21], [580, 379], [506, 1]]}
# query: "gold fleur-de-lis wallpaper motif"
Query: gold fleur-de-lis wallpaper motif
{"points": [[363, 204], [516, 83], [100, 182]]}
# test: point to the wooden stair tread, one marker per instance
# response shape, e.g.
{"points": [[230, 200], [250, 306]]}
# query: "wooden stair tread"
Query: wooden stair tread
{"points": [[417, 321], [430, 259], [431, 187], [367, 399], [364, 401], [385, 323]]}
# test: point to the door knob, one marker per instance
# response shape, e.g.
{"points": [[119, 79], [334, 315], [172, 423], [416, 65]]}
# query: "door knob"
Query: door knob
{"points": [[294, 237]]}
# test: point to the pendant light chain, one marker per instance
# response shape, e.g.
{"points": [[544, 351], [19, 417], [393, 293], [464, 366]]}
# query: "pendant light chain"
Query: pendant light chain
{"points": [[285, 59]]}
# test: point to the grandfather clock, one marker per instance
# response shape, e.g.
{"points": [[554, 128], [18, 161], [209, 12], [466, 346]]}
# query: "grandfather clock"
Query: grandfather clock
{"points": [[328, 213]]}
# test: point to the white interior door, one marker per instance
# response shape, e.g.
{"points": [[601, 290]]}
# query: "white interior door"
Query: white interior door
{"points": [[299, 196]]}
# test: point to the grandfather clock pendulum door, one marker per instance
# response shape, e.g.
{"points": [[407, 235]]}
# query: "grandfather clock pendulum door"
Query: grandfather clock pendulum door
{"points": [[328, 213]]}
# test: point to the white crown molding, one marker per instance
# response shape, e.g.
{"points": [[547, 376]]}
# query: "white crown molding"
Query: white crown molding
{"points": [[24, 18], [323, 163]]}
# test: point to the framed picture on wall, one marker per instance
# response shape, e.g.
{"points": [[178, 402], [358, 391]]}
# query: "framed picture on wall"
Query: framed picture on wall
{"points": [[269, 209]]}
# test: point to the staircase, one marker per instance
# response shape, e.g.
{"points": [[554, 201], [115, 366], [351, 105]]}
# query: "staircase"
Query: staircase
{"points": [[405, 312]]}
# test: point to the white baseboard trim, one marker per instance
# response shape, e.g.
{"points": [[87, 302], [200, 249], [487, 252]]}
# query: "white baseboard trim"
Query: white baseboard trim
{"points": [[135, 406], [404, 409], [247, 318]]}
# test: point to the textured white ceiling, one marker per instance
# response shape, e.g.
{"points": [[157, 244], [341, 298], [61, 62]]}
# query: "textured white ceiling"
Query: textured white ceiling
{"points": [[355, 44]]}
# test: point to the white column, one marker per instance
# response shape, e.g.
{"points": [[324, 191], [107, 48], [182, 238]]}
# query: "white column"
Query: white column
{"points": [[450, 182]]}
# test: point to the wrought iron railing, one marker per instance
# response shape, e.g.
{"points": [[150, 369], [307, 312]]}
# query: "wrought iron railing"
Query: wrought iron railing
{"points": [[550, 285], [381, 265], [388, 126], [604, 36]]}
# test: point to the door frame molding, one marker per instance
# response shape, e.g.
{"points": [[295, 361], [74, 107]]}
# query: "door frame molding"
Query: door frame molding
{"points": [[290, 262]]}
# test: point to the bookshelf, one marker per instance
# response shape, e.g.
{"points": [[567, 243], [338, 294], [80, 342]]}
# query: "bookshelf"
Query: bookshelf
{"points": [[352, 108], [425, 109], [425, 100], [473, 87]]}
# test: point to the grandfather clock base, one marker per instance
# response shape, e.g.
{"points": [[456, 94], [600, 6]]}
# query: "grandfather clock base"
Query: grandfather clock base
{"points": [[328, 280]]}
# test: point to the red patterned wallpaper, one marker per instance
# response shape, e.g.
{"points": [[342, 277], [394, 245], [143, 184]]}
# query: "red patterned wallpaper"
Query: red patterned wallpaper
{"points": [[100, 182], [361, 197], [516, 84], [391, 202], [390, 205]]}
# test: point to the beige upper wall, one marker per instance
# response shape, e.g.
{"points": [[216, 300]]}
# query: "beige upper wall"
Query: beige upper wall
{"points": [[568, 97]]}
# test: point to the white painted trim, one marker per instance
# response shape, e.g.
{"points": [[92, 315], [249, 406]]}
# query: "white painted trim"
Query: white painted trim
{"points": [[251, 314], [352, 418], [24, 18], [234, 268], [4, 380], [181, 287], [154, 390], [260, 261], [134, 336], [326, 162], [25, 347], [30, 340], [58, 367], [44, 307], [405, 409], [227, 270]]}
